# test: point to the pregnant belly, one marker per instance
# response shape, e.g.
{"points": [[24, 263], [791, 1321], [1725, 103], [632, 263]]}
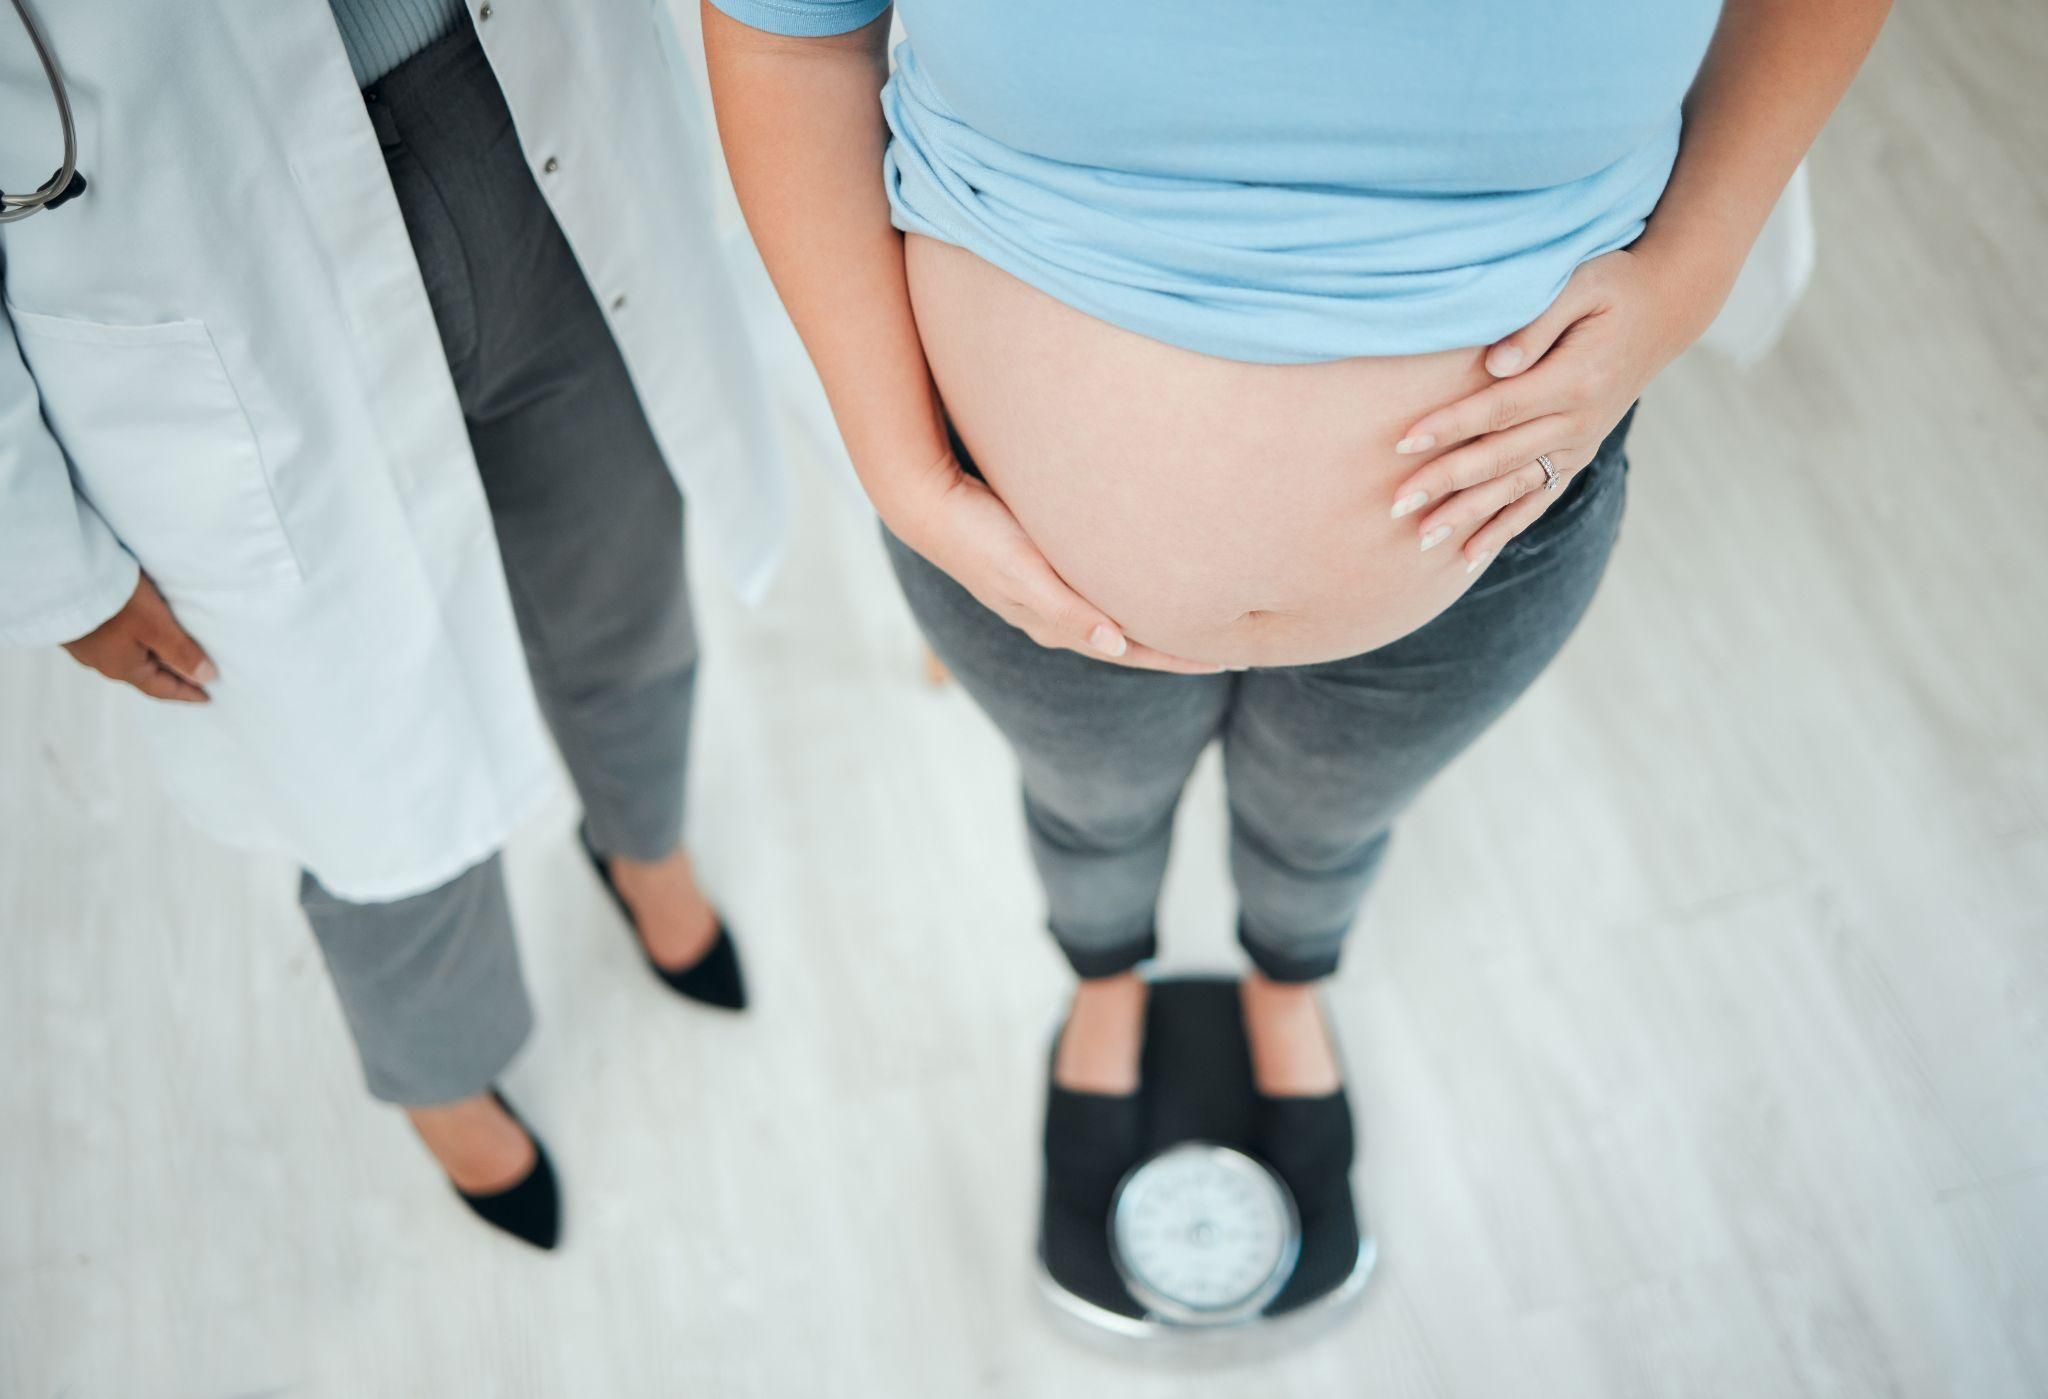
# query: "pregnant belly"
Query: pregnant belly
{"points": [[1225, 512]]}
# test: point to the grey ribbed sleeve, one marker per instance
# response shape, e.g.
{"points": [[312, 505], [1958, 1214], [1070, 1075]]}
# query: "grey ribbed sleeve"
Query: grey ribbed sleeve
{"points": [[381, 34]]}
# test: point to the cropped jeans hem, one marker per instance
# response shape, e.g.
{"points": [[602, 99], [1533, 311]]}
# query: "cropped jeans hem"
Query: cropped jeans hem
{"points": [[1094, 960], [1294, 959]]}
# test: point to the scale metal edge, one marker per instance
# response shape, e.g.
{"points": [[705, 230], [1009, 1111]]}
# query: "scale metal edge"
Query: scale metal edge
{"points": [[1254, 1336]]}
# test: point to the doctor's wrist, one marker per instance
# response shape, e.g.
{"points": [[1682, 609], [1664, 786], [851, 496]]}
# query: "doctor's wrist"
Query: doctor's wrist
{"points": [[143, 645]]}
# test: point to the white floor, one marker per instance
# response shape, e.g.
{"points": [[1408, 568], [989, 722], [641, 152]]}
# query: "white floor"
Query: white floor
{"points": [[1699, 1029]]}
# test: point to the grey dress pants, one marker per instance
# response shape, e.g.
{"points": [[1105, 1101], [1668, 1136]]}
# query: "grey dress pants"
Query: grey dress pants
{"points": [[590, 528]]}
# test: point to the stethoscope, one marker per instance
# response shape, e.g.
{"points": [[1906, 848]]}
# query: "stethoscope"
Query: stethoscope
{"points": [[67, 183]]}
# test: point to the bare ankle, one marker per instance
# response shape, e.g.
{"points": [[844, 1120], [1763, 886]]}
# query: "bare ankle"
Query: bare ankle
{"points": [[675, 920], [1104, 1037], [1292, 998], [478, 1144], [1292, 1052]]}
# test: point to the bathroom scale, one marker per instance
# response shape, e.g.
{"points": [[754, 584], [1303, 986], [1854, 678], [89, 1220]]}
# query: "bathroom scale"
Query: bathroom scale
{"points": [[1202, 1240]]}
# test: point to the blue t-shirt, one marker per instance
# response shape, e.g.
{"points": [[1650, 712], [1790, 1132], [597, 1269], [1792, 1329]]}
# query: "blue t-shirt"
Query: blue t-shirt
{"points": [[1282, 183]]}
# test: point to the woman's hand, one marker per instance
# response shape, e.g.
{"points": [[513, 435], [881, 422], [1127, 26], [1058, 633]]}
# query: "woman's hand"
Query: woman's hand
{"points": [[963, 528], [1561, 384], [801, 122], [1771, 76]]}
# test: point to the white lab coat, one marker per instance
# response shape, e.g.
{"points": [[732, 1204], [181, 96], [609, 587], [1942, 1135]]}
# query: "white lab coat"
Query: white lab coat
{"points": [[220, 361]]}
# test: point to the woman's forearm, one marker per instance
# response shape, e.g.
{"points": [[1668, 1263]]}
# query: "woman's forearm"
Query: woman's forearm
{"points": [[1774, 72], [801, 123]]}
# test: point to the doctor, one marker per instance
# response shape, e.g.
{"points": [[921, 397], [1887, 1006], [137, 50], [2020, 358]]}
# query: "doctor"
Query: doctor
{"points": [[351, 409]]}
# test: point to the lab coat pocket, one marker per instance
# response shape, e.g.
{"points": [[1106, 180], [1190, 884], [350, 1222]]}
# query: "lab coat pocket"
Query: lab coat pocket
{"points": [[159, 443]]}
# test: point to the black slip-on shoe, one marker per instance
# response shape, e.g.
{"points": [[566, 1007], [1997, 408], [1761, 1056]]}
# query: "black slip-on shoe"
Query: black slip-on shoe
{"points": [[715, 979], [1091, 1142], [529, 1209], [1309, 1143]]}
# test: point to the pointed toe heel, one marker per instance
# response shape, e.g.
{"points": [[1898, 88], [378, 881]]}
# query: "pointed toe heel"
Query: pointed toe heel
{"points": [[716, 979], [529, 1209]]}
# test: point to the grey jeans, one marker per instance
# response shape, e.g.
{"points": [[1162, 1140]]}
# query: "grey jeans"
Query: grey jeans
{"points": [[590, 528], [1318, 759]]}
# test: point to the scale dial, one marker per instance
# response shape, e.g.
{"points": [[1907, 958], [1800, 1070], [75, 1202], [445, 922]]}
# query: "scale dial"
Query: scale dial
{"points": [[1203, 1235]]}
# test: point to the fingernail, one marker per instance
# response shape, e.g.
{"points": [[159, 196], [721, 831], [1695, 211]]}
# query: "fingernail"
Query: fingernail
{"points": [[1409, 445], [1409, 504], [1474, 564], [1108, 640], [205, 672], [1505, 360], [1436, 536]]}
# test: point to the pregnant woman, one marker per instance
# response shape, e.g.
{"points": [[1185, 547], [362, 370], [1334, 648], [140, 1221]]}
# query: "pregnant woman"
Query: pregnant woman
{"points": [[1257, 374]]}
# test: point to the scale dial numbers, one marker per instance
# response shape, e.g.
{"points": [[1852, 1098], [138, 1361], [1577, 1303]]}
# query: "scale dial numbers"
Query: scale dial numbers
{"points": [[1203, 1235]]}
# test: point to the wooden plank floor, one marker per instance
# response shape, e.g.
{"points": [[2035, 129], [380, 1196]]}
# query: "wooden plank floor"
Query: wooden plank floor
{"points": [[1699, 1028]]}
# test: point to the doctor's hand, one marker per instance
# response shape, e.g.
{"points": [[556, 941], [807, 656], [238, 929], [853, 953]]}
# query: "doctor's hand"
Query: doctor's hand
{"points": [[143, 645], [963, 528], [1561, 383]]}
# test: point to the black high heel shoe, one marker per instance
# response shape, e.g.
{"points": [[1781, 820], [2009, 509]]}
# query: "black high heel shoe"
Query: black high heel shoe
{"points": [[529, 1209], [715, 979]]}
